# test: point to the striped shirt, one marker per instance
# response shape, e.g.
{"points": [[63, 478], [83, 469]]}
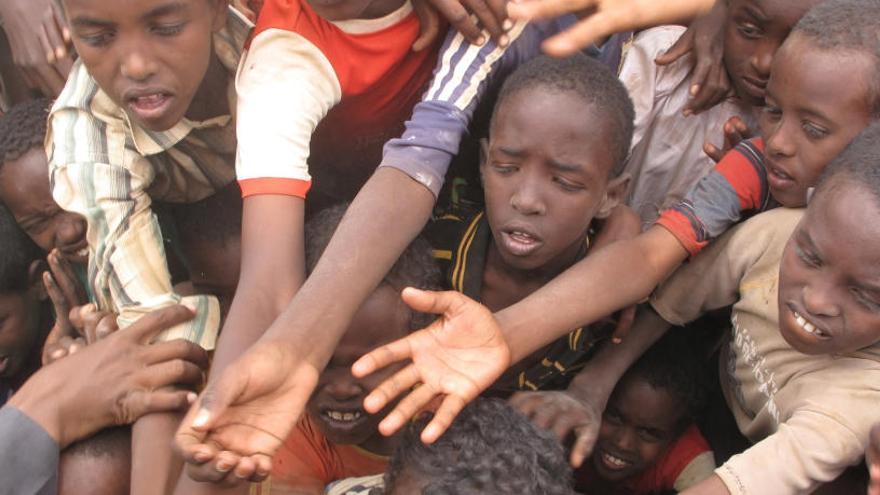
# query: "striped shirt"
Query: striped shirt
{"points": [[734, 190], [107, 168]]}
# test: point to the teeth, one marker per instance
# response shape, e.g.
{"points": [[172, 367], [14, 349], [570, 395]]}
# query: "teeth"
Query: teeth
{"points": [[806, 325], [343, 416], [614, 461]]}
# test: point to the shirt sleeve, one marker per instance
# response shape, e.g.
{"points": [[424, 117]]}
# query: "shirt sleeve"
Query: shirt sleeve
{"points": [[29, 457], [811, 448], [285, 86], [737, 184], [463, 75], [96, 172]]}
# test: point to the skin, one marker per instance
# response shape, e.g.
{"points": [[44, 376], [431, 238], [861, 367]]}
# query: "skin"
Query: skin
{"points": [[381, 319], [19, 331], [153, 58], [754, 31], [829, 273], [637, 427], [213, 267], [811, 115], [24, 189], [95, 474]]}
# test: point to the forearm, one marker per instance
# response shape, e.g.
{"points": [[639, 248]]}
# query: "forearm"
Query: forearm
{"points": [[155, 468], [601, 373], [607, 280], [272, 270], [710, 486], [387, 214]]}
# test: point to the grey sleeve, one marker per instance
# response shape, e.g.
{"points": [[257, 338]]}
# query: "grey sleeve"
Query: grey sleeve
{"points": [[28, 456]]}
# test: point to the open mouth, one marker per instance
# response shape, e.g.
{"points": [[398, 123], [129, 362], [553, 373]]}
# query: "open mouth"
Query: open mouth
{"points": [[520, 242], [778, 178], [808, 327], [343, 417], [612, 462], [150, 105]]}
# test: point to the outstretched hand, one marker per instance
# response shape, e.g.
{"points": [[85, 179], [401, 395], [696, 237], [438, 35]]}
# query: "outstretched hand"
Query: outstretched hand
{"points": [[242, 418], [454, 359], [601, 18], [564, 414], [735, 130]]}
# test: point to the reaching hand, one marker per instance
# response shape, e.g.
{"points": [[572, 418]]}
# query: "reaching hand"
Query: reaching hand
{"points": [[564, 414], [242, 418], [704, 39], [491, 16], [735, 130], [455, 358], [429, 24], [40, 43], [67, 294], [601, 18]]}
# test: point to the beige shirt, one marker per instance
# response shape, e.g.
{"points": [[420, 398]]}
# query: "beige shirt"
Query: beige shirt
{"points": [[808, 416], [666, 157]]}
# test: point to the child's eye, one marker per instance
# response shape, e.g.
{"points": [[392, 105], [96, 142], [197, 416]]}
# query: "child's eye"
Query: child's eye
{"points": [[168, 29], [612, 417], [808, 258], [749, 30], [772, 112], [649, 436], [814, 131], [865, 299], [567, 185], [97, 40], [504, 168]]}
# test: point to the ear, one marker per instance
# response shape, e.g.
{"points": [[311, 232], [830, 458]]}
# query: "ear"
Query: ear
{"points": [[35, 279], [221, 10], [615, 192]]}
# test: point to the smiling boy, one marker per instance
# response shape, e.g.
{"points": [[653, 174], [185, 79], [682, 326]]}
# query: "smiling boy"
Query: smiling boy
{"points": [[547, 172]]}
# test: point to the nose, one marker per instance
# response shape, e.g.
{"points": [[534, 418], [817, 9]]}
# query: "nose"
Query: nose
{"points": [[526, 198], [70, 231], [779, 143], [137, 64], [819, 299], [762, 59], [625, 439], [343, 388]]}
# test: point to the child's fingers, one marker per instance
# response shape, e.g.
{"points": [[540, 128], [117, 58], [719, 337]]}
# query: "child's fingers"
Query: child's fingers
{"points": [[445, 415], [388, 390], [487, 19], [526, 403], [624, 323], [434, 302], [583, 33], [542, 9], [460, 20], [406, 409], [59, 302], [429, 25], [583, 444], [713, 152], [66, 277], [376, 359], [680, 48]]}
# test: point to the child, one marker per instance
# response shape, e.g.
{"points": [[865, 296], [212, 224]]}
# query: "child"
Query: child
{"points": [[801, 368], [97, 465], [648, 442], [25, 317], [24, 184], [489, 449], [558, 138]]}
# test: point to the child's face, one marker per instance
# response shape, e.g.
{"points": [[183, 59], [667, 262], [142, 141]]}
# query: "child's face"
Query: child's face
{"points": [[829, 277], [638, 425], [817, 102], [149, 56], [337, 403], [19, 319], [24, 189], [755, 29], [545, 176]]}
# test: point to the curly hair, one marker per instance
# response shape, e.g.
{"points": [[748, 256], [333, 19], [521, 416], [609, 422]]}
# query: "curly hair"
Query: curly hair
{"points": [[489, 448], [19, 251], [857, 165], [23, 128], [589, 80], [852, 25], [672, 365], [414, 268]]}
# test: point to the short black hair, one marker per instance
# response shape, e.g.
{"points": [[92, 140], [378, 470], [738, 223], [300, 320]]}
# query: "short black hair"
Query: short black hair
{"points": [[672, 364], [490, 449], [23, 128], [852, 25], [415, 267], [19, 252], [858, 164], [589, 80], [109, 442]]}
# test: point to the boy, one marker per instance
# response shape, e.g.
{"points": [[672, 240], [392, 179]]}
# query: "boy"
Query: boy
{"points": [[840, 34], [489, 449], [558, 139], [25, 317], [801, 368], [24, 184], [648, 442], [336, 438], [97, 465]]}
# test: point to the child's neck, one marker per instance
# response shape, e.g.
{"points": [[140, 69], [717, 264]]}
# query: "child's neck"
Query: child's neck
{"points": [[211, 99], [381, 445], [504, 285]]}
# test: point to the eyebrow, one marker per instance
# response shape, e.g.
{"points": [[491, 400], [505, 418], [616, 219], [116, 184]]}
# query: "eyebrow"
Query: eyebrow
{"points": [[566, 167], [756, 13], [161, 10], [510, 151]]}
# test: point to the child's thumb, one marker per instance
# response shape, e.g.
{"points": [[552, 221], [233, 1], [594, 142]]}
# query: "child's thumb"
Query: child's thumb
{"points": [[214, 401]]}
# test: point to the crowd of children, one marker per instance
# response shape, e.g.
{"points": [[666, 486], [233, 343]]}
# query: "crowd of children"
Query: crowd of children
{"points": [[412, 246]]}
